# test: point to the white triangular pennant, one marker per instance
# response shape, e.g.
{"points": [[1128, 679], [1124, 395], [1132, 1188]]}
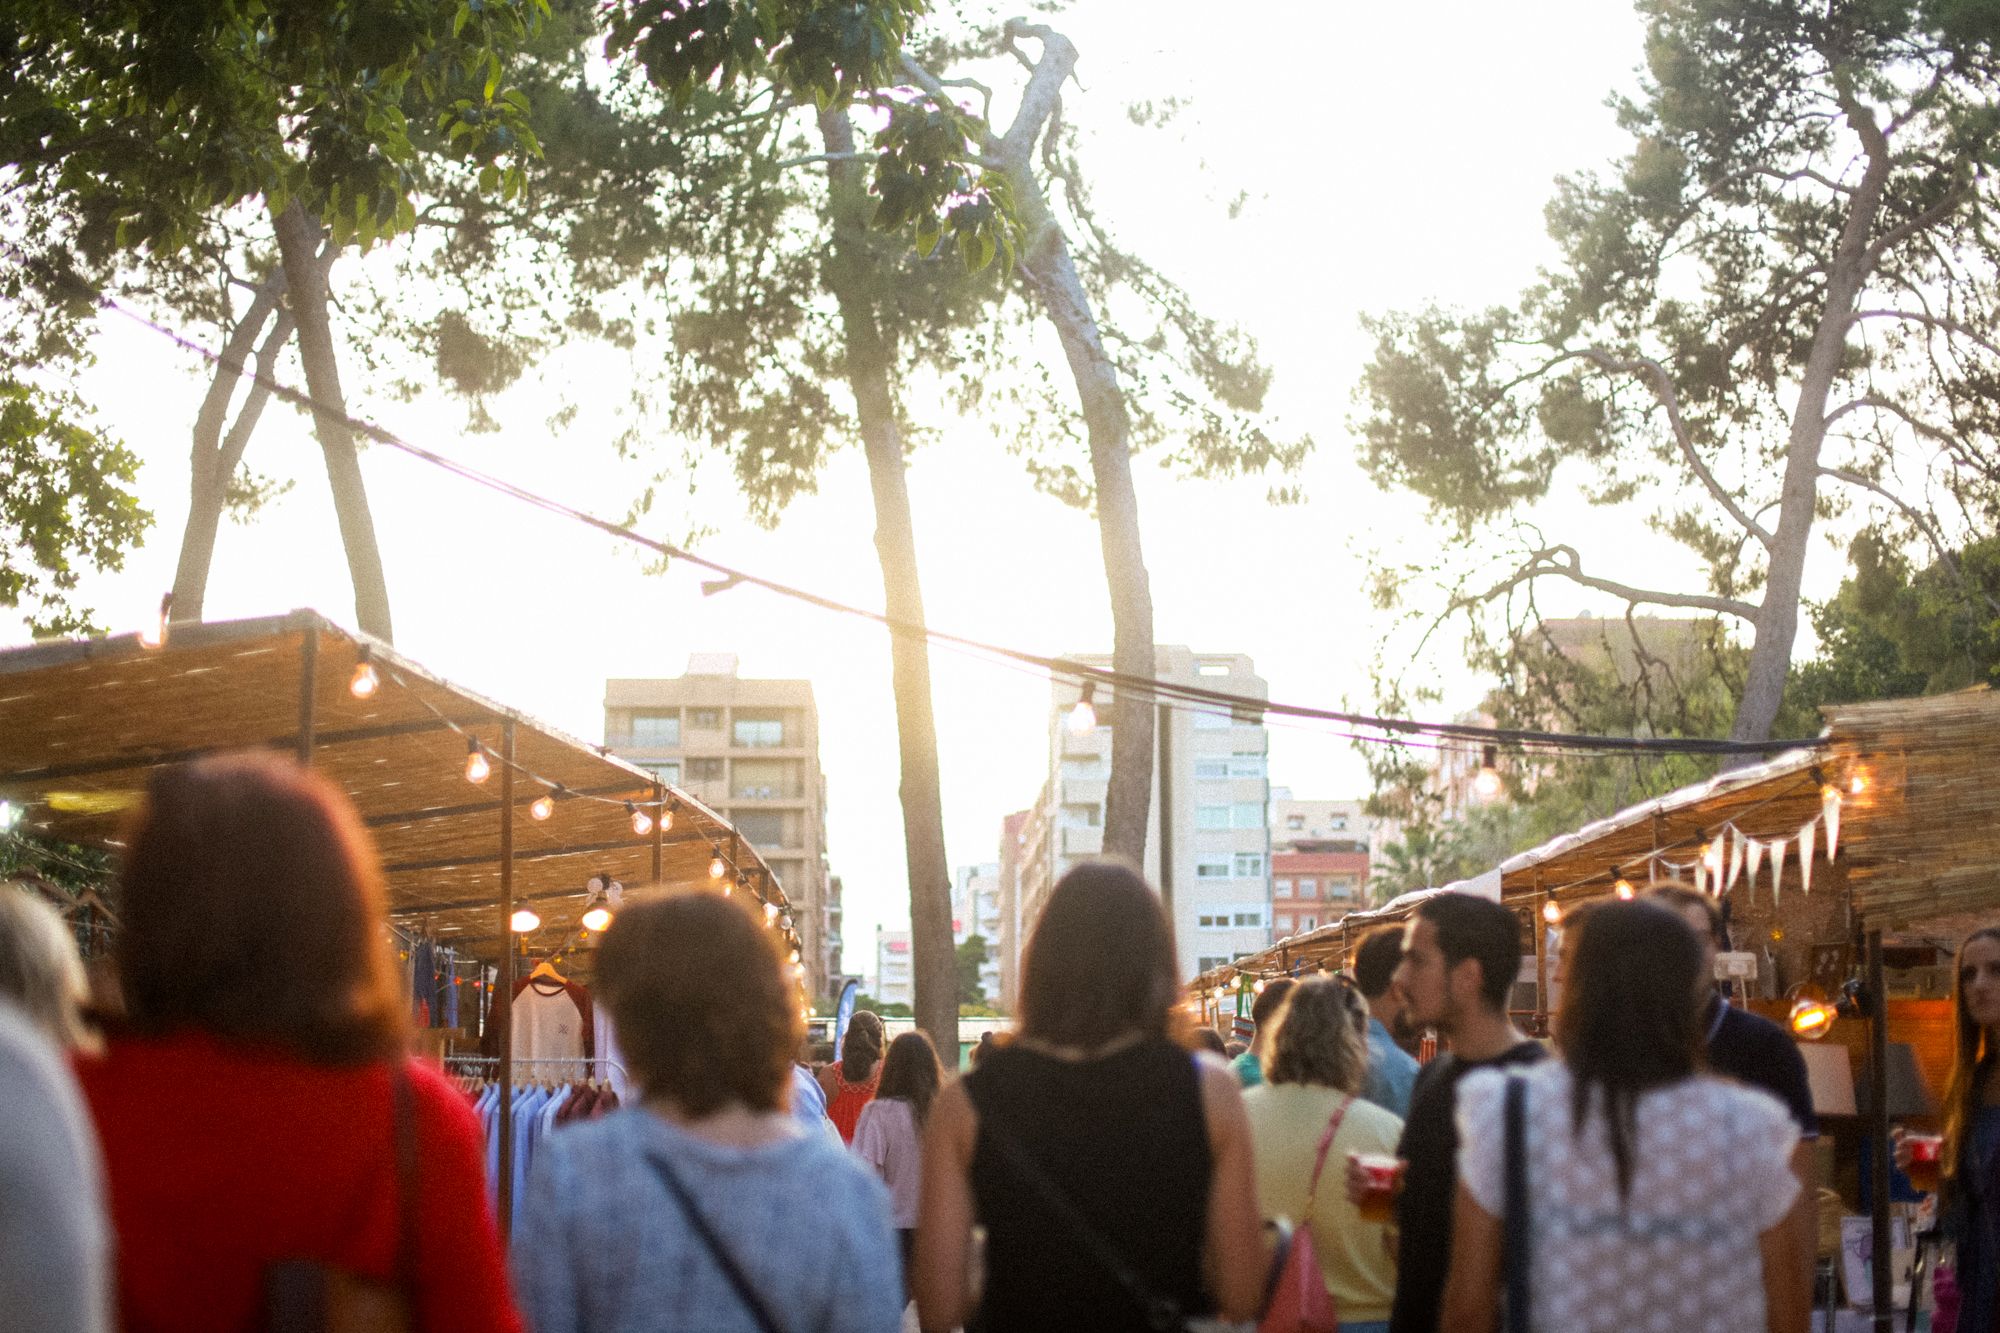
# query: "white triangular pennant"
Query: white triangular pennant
{"points": [[1732, 861], [1701, 874], [1753, 852], [1778, 846], [1806, 854], [1829, 806]]}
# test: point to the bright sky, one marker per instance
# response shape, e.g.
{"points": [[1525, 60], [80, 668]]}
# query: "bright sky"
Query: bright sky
{"points": [[1391, 154]]}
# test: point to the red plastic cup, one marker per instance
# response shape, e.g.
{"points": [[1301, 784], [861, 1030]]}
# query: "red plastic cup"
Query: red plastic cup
{"points": [[1925, 1151], [1384, 1178]]}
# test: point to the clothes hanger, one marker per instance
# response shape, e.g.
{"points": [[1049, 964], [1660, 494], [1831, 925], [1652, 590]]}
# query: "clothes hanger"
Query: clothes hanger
{"points": [[546, 968]]}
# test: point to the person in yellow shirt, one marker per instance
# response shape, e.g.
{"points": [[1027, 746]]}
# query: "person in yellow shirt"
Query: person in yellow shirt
{"points": [[1315, 1069]]}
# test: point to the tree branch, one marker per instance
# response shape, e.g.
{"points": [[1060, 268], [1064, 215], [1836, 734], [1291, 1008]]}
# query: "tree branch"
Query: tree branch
{"points": [[1562, 561], [1647, 368], [1939, 322]]}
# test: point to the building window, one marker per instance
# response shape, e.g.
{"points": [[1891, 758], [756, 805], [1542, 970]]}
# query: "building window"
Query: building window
{"points": [[1084, 767], [654, 730], [704, 770], [1211, 816], [1295, 821], [1211, 669], [705, 719], [1340, 888], [1308, 888], [1206, 721], [1210, 770], [1249, 865], [1281, 888], [1209, 962], [1250, 920], [1082, 816], [667, 773], [1211, 870], [1338, 823], [1208, 922], [1309, 923], [1246, 814], [1247, 764], [757, 732], [760, 828]]}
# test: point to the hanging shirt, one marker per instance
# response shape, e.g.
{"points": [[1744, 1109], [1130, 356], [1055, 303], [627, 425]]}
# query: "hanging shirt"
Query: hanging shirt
{"points": [[548, 1026], [610, 1060], [447, 1006], [423, 981]]}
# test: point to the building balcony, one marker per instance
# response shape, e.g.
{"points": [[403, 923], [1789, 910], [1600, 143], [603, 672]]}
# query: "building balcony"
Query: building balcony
{"points": [[1083, 842]]}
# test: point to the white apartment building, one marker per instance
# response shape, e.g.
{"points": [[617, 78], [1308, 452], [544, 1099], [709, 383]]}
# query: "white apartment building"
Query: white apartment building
{"points": [[976, 910], [894, 982], [1296, 821], [748, 749], [1217, 841]]}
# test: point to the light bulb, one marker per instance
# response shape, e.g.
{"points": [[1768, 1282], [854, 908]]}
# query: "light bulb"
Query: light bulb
{"points": [[364, 682], [1083, 718], [154, 633], [1623, 888], [1259, 987], [543, 807], [1812, 1019], [477, 769], [1551, 913], [642, 823], [597, 918], [1857, 784], [10, 815], [795, 955], [1486, 782], [524, 920], [666, 817], [717, 867], [770, 913]]}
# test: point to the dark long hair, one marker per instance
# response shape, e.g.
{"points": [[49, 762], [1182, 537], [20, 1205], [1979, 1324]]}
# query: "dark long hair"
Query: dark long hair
{"points": [[252, 907], [862, 1046], [1100, 964], [1972, 1060], [910, 1071], [1631, 1016]]}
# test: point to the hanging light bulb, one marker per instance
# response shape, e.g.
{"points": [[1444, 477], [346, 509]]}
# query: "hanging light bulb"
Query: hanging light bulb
{"points": [[524, 920], [642, 823], [770, 913], [1486, 783], [1857, 784], [544, 806], [10, 815], [1623, 888], [667, 814], [795, 955], [1083, 718], [477, 769], [1812, 1017], [364, 682], [1551, 913], [717, 867], [1259, 987], [597, 918], [154, 633]]}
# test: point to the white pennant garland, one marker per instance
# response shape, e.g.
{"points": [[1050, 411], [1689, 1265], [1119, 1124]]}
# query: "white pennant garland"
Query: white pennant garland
{"points": [[1753, 859], [1806, 853], [1701, 874], [1777, 868], [1829, 805], [1732, 862]]}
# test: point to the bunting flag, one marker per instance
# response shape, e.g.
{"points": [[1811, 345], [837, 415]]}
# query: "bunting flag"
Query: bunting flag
{"points": [[1829, 805], [1777, 849], [1806, 853], [1733, 862], [1700, 874], [1753, 854]]}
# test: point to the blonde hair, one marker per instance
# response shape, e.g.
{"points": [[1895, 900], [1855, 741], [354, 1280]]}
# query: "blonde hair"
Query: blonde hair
{"points": [[1317, 1040], [40, 969]]}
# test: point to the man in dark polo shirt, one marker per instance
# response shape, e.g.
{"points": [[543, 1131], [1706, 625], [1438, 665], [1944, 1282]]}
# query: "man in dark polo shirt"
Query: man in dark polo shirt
{"points": [[1460, 960], [1752, 1049]]}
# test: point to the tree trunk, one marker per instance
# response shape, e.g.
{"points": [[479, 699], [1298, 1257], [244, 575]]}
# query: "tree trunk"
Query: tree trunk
{"points": [[851, 275], [298, 244], [215, 456], [1778, 617], [1050, 268]]}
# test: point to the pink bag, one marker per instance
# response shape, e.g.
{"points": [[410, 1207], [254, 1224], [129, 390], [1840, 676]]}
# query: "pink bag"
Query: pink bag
{"points": [[1300, 1302], [1945, 1299]]}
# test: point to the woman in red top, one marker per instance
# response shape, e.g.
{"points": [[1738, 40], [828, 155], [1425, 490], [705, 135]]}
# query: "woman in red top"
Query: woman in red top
{"points": [[247, 1108], [850, 1084]]}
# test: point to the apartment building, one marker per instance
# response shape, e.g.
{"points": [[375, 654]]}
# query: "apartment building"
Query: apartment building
{"points": [[894, 981], [748, 749], [1213, 862], [1014, 922], [975, 910], [1312, 888]]}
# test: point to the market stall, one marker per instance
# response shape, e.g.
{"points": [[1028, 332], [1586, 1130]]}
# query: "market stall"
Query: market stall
{"points": [[497, 834]]}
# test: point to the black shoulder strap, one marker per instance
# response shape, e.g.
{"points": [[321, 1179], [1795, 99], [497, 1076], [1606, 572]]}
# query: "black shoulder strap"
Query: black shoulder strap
{"points": [[745, 1290], [1162, 1313], [1515, 1240]]}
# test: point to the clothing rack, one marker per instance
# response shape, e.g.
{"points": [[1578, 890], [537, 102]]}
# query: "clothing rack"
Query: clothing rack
{"points": [[566, 1060]]}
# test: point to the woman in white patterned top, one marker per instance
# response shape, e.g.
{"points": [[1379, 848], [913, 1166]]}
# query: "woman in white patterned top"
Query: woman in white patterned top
{"points": [[1656, 1194]]}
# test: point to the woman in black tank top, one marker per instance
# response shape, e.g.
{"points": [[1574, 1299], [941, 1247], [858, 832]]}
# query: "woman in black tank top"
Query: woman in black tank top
{"points": [[1110, 1167]]}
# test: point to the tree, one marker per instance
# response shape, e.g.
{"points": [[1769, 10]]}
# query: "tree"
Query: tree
{"points": [[1772, 315], [971, 958]]}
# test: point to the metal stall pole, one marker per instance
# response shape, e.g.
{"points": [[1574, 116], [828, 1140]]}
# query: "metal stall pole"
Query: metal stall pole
{"points": [[308, 676], [1541, 929], [503, 1002], [659, 831], [1878, 1138]]}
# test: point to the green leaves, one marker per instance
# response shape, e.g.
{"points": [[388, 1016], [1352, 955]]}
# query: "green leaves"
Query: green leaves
{"points": [[924, 181]]}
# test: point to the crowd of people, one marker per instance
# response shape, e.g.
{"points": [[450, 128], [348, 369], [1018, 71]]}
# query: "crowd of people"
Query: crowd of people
{"points": [[236, 1139]]}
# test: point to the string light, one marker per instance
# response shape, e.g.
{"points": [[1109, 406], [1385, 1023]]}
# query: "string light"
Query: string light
{"points": [[544, 806], [1857, 784], [667, 814], [597, 918], [524, 920], [1486, 783], [10, 815], [795, 957], [365, 680], [642, 823], [477, 769], [1551, 912], [770, 913], [717, 868], [1083, 718], [1622, 887], [154, 635]]}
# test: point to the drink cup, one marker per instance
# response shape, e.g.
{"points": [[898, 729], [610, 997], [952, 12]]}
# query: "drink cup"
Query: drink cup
{"points": [[1384, 1176], [1925, 1150]]}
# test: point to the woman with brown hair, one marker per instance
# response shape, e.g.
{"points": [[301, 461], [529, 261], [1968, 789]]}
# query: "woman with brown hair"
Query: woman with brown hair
{"points": [[266, 1138], [849, 1084], [708, 1208], [1110, 1166], [889, 1134]]}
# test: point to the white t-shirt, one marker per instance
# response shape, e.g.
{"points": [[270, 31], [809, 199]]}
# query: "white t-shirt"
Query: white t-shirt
{"points": [[1711, 1172], [886, 1138], [547, 1028]]}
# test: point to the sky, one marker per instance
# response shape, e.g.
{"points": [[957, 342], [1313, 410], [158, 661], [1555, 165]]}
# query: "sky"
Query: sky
{"points": [[1385, 155]]}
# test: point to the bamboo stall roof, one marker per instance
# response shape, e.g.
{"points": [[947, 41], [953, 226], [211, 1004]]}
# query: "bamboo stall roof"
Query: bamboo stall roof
{"points": [[82, 722], [1920, 826]]}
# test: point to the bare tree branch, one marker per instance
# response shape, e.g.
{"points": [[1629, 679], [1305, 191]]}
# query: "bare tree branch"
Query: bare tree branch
{"points": [[1562, 561], [1937, 322]]}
